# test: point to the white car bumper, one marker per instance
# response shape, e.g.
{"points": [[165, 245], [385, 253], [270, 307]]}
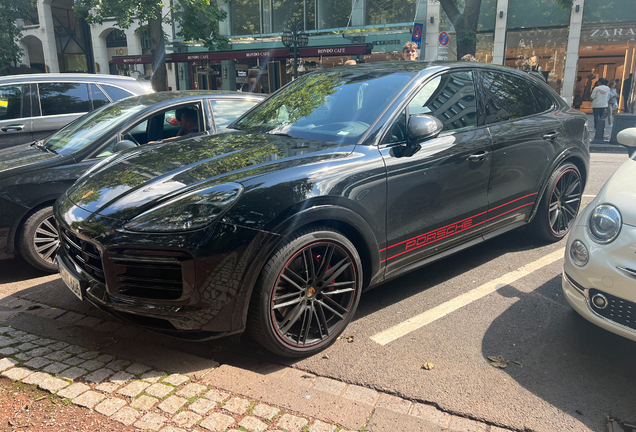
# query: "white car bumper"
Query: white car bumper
{"points": [[610, 273]]}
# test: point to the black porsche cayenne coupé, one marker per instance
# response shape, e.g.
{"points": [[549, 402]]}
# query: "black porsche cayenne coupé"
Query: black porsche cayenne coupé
{"points": [[342, 180]]}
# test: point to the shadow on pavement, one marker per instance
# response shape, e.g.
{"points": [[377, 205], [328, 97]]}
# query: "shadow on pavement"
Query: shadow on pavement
{"points": [[568, 362]]}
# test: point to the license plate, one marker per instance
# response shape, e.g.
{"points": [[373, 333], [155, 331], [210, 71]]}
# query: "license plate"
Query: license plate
{"points": [[71, 281]]}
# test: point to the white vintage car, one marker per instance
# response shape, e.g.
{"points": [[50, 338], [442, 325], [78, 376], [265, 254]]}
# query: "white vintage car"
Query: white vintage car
{"points": [[599, 272]]}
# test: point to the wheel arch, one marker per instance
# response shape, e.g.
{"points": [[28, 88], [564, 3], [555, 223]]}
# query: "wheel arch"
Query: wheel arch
{"points": [[574, 156], [17, 227], [341, 219]]}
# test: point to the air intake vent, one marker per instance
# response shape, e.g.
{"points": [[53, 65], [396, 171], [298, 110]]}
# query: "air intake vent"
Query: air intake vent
{"points": [[85, 254], [147, 275]]}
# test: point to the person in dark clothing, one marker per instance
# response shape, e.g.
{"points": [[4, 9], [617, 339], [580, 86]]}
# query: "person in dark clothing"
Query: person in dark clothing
{"points": [[188, 120], [627, 86]]}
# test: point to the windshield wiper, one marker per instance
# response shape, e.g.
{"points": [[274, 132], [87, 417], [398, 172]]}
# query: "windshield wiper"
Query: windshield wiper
{"points": [[40, 146]]}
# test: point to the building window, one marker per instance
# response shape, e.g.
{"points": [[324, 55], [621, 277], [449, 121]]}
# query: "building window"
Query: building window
{"points": [[485, 31], [397, 11], [245, 17]]}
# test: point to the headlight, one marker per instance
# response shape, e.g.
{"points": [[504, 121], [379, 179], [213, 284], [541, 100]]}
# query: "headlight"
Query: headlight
{"points": [[578, 253], [605, 223], [190, 211]]}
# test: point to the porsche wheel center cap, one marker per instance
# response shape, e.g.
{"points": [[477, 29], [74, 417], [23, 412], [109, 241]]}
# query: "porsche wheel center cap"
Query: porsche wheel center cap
{"points": [[311, 291]]}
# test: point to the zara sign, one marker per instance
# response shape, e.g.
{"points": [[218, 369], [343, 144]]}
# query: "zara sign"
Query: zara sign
{"points": [[610, 32]]}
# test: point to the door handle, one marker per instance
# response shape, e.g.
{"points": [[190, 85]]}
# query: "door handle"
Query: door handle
{"points": [[12, 128], [478, 157], [551, 136]]}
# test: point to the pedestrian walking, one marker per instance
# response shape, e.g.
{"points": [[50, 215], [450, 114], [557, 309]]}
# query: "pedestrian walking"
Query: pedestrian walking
{"points": [[612, 102], [600, 96], [409, 52], [579, 90]]}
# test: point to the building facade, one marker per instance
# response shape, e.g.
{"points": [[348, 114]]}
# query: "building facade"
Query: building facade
{"points": [[595, 39]]}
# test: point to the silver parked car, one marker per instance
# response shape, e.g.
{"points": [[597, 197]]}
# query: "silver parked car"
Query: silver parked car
{"points": [[32, 107]]}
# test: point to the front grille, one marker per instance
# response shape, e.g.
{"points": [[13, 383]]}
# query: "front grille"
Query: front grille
{"points": [[620, 311], [85, 254], [146, 275]]}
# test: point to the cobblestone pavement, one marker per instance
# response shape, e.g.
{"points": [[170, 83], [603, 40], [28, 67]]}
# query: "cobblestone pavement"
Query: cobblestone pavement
{"points": [[224, 398]]}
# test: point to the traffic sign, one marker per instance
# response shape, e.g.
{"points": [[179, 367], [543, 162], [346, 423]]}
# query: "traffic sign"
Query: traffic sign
{"points": [[417, 34], [443, 39]]}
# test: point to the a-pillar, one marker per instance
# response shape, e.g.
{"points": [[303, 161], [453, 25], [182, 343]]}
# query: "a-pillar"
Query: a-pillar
{"points": [[48, 38], [499, 43], [432, 30], [357, 13], [572, 51]]}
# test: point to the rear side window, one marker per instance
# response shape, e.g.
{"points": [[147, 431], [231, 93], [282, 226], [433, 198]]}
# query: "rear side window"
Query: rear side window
{"points": [[12, 102], [98, 96], [226, 111], [115, 93], [64, 98], [507, 97], [544, 102]]}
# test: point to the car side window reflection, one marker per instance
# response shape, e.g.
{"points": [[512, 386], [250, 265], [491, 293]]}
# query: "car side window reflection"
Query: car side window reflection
{"points": [[507, 97], [449, 97]]}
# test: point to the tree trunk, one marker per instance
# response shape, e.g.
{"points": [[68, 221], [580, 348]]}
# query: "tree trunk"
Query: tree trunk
{"points": [[465, 25], [158, 52]]}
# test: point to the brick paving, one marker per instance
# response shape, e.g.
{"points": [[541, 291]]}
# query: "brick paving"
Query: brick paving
{"points": [[137, 395]]}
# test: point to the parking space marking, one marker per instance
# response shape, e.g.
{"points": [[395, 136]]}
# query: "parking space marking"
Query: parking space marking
{"points": [[589, 196], [450, 306]]}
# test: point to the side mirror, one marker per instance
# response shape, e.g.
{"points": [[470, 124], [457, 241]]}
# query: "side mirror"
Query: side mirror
{"points": [[422, 127], [123, 145], [627, 137]]}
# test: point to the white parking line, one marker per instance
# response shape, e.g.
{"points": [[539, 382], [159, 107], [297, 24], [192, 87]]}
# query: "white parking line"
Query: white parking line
{"points": [[444, 309], [589, 196]]}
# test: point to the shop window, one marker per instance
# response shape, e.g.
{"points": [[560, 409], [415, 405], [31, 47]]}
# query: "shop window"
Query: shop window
{"points": [[64, 98], [485, 30], [245, 17], [284, 10], [333, 13], [506, 97], [397, 11], [602, 11]]}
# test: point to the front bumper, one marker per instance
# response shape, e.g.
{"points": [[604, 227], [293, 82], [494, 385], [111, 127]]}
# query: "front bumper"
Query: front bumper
{"points": [[185, 285], [610, 274]]}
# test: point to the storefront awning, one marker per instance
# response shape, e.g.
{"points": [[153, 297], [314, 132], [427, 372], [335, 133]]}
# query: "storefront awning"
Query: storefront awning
{"points": [[132, 59], [228, 55]]}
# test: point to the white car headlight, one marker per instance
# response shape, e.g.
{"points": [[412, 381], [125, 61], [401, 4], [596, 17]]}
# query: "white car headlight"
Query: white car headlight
{"points": [[190, 211], [579, 254], [605, 223]]}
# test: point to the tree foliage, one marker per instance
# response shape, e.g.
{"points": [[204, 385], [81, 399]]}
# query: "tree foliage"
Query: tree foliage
{"points": [[10, 34], [198, 19]]}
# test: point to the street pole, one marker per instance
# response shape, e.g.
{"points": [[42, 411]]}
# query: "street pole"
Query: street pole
{"points": [[294, 37]]}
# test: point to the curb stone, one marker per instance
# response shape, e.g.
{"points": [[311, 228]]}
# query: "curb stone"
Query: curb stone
{"points": [[114, 387]]}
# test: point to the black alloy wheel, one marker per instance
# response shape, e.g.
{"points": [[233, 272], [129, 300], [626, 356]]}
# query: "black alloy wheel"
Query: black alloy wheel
{"points": [[565, 202], [39, 240], [560, 204], [307, 293]]}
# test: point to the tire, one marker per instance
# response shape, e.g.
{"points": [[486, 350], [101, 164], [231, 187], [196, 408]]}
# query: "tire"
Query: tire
{"points": [[291, 313], [38, 240], [560, 204]]}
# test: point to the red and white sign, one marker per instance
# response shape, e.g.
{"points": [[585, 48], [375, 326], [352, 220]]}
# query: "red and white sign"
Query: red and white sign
{"points": [[443, 39]]}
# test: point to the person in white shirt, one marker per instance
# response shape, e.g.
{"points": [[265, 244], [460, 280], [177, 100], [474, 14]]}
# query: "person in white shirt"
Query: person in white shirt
{"points": [[600, 97]]}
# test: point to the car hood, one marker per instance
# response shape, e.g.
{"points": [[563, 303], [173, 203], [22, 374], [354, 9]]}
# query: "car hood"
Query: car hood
{"points": [[619, 191], [15, 159], [141, 178]]}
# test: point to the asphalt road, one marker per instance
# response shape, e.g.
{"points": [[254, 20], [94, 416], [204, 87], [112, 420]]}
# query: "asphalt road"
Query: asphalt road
{"points": [[565, 374]]}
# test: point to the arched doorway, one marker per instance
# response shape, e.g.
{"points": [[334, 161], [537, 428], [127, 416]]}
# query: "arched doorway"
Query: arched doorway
{"points": [[35, 53]]}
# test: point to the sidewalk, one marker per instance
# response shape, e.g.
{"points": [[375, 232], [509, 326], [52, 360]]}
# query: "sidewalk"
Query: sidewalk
{"points": [[109, 368]]}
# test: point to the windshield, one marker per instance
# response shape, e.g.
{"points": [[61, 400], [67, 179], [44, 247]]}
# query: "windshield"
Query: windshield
{"points": [[333, 106], [92, 126]]}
